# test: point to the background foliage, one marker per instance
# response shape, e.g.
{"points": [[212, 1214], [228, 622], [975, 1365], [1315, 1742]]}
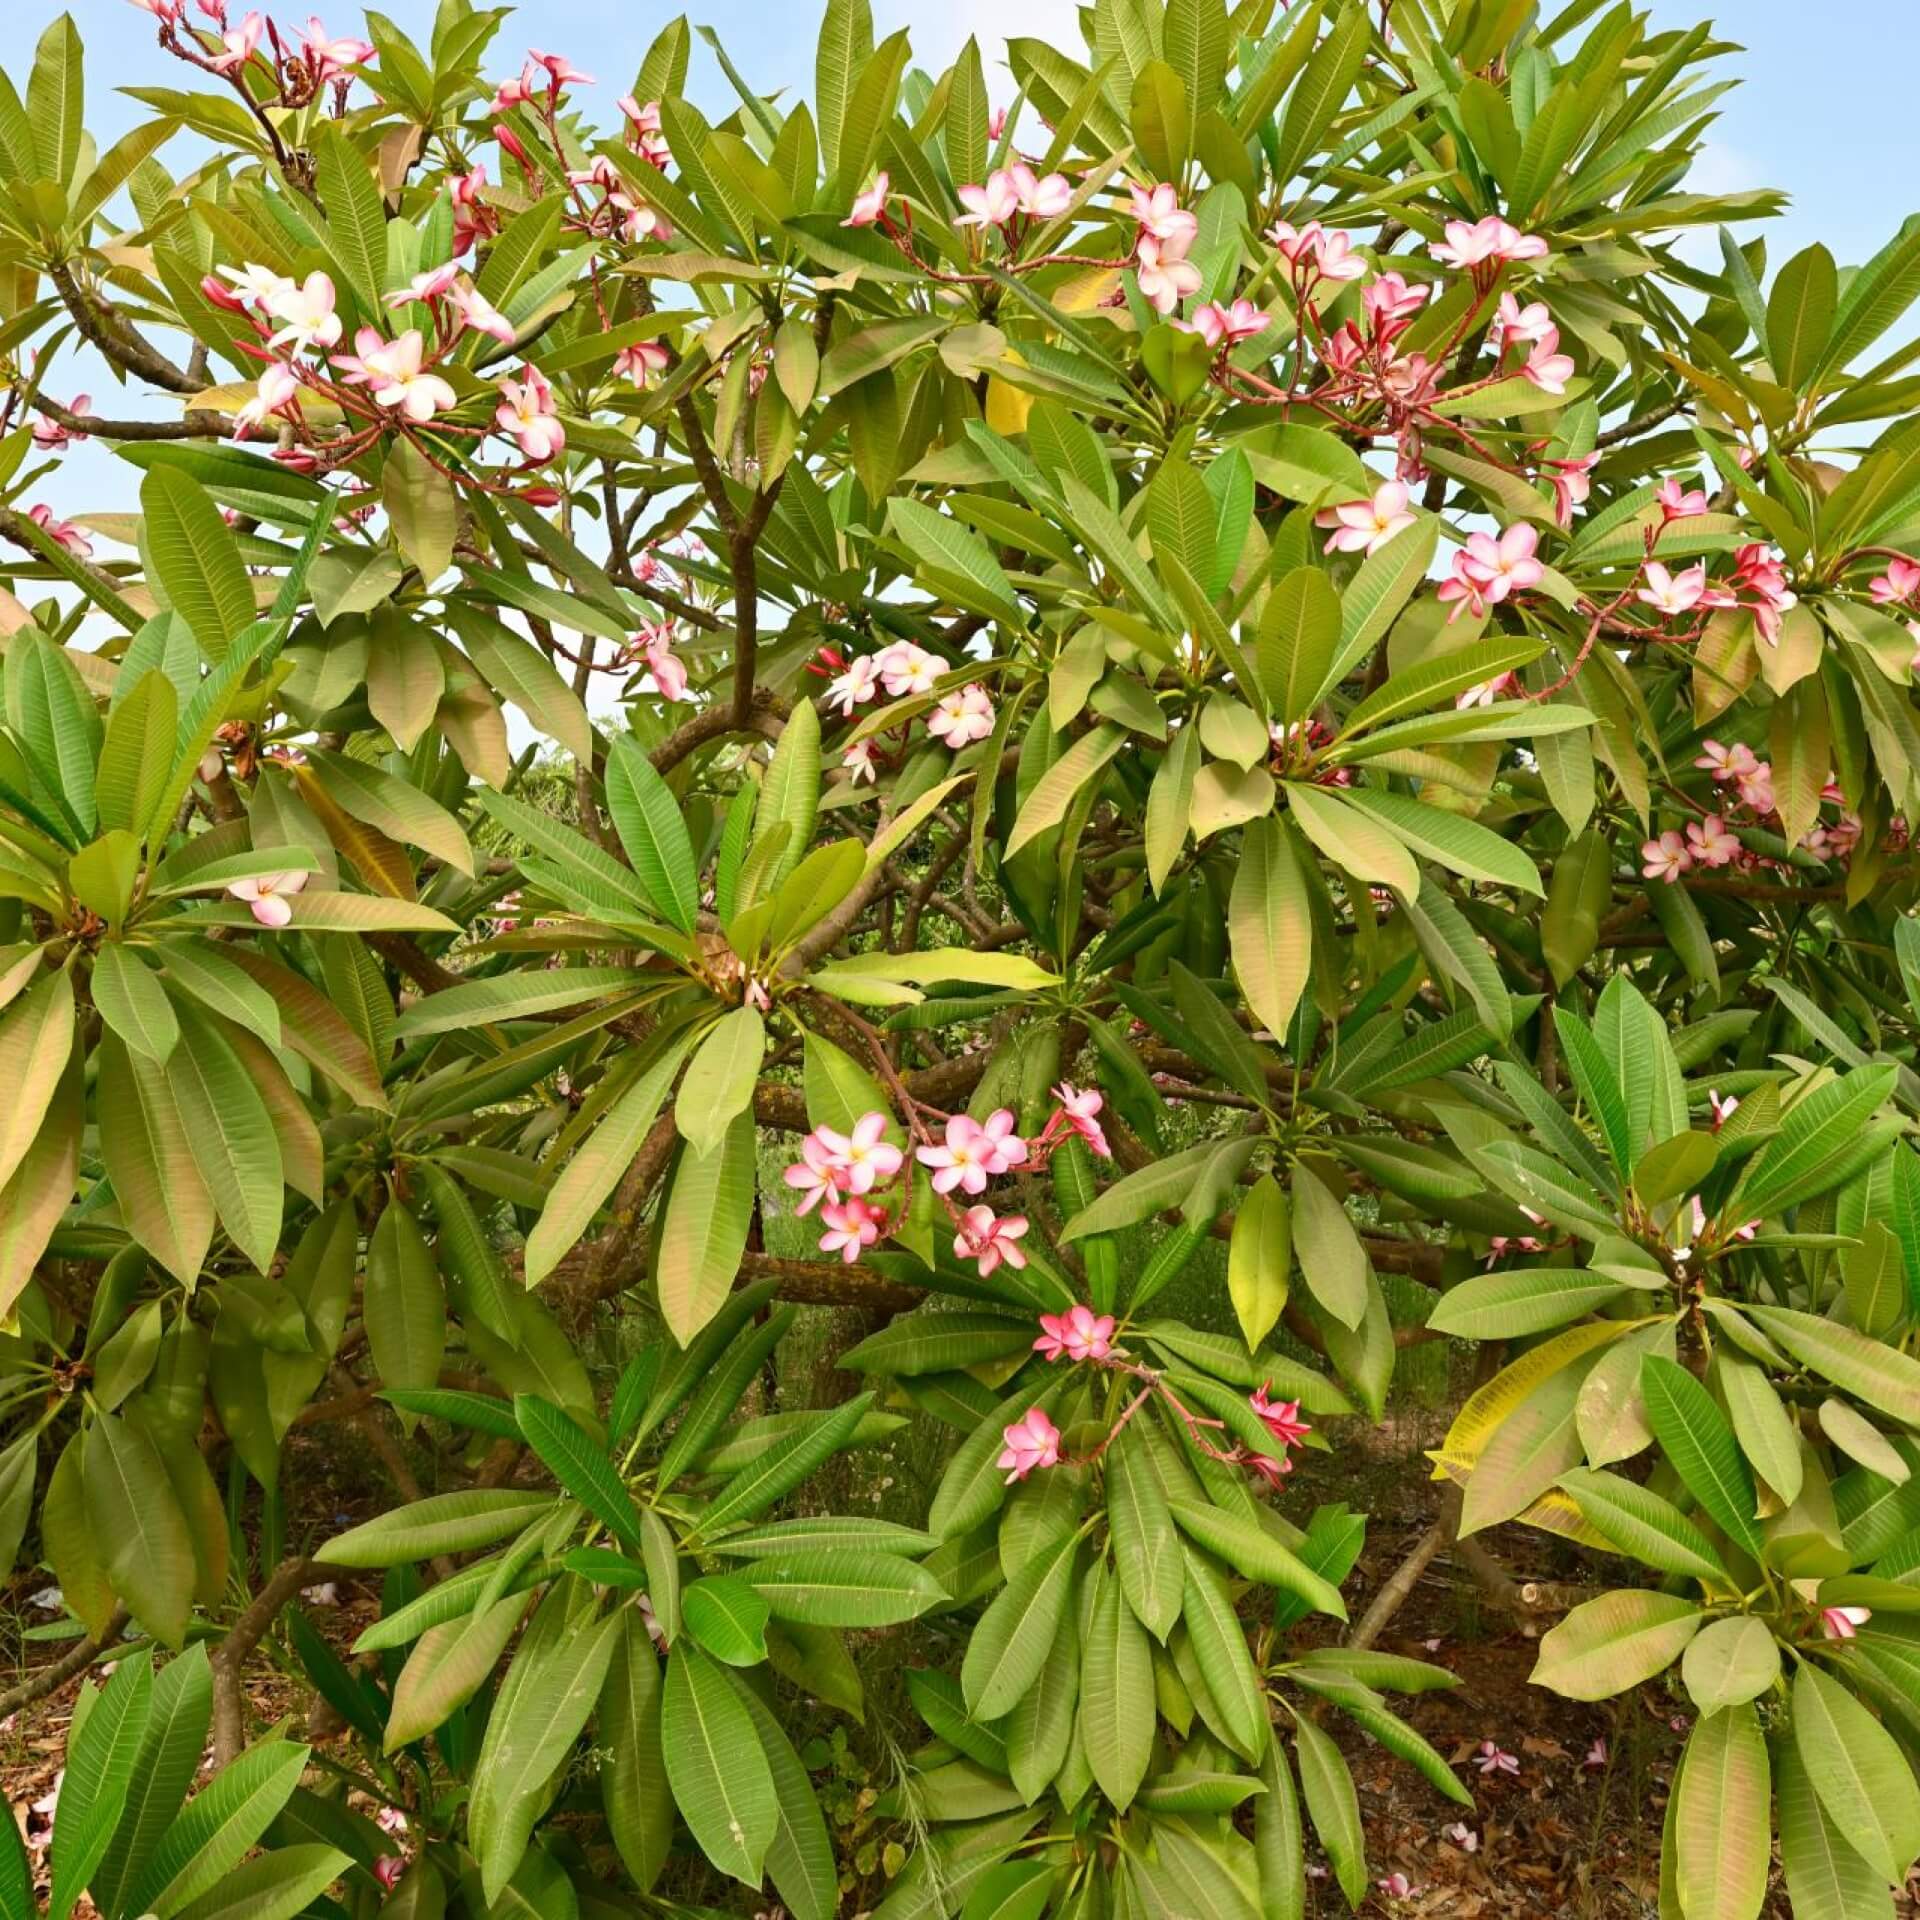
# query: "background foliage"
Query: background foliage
{"points": [[1244, 648]]}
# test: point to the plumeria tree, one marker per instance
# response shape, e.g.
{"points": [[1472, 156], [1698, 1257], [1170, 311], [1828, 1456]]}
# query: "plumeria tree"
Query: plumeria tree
{"points": [[1079, 704]]}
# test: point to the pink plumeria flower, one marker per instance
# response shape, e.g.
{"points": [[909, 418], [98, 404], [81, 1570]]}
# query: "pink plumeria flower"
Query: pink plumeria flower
{"points": [[815, 1176], [399, 381], [972, 1153], [1726, 763], [1314, 251], [1163, 273], [1722, 1110], [1486, 242], [237, 44], [1040, 197], [432, 285], [390, 1820], [854, 688], [1226, 327], [1900, 582], [864, 1155], [962, 716], [1491, 1759], [330, 55], [996, 123], [1161, 216], [1842, 1623], [655, 643], [1281, 1418], [1365, 526], [647, 137], [526, 416], [906, 669], [851, 1225], [269, 896], [1032, 1441], [869, 206], [1079, 1112], [1525, 326], [1501, 1245], [1679, 502], [990, 206], [987, 1239], [1547, 367], [1756, 788], [479, 313], [1500, 687], [858, 761], [1665, 858], [72, 537], [1079, 1334], [1596, 1755], [1760, 573], [307, 313], [561, 72], [1265, 1468], [1390, 302], [52, 436], [1462, 1836], [1396, 1886], [1674, 595], [1572, 482], [272, 391], [639, 363], [1710, 844], [1488, 570]]}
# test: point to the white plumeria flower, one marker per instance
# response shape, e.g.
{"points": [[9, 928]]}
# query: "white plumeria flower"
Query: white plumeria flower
{"points": [[906, 669], [269, 896], [306, 312], [399, 382]]}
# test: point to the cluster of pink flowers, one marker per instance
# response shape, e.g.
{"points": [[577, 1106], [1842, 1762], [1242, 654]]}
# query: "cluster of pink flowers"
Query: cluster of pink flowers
{"points": [[301, 66], [618, 214], [1166, 234], [1748, 781], [643, 132], [1531, 327], [1281, 1418], [542, 75], [901, 671], [1488, 570], [1482, 247], [1223, 328], [1014, 193], [1079, 1334]]}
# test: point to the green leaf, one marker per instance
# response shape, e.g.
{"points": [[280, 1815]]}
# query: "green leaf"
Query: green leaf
{"points": [[717, 1766], [1117, 1715], [831, 1587], [356, 223], [219, 1826], [404, 1305], [1219, 1646], [1641, 1522], [1327, 1787], [579, 1465], [99, 1771], [195, 559], [1730, 1662], [1269, 925], [443, 1523], [1800, 313], [1861, 1776], [647, 817], [36, 1040], [1879, 1374], [1607, 1645], [1009, 1646], [422, 512], [1826, 1877], [703, 1229], [598, 1165], [1255, 1554], [720, 1078], [537, 1715], [1500, 1306], [145, 1544], [1723, 1825], [1696, 1438]]}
